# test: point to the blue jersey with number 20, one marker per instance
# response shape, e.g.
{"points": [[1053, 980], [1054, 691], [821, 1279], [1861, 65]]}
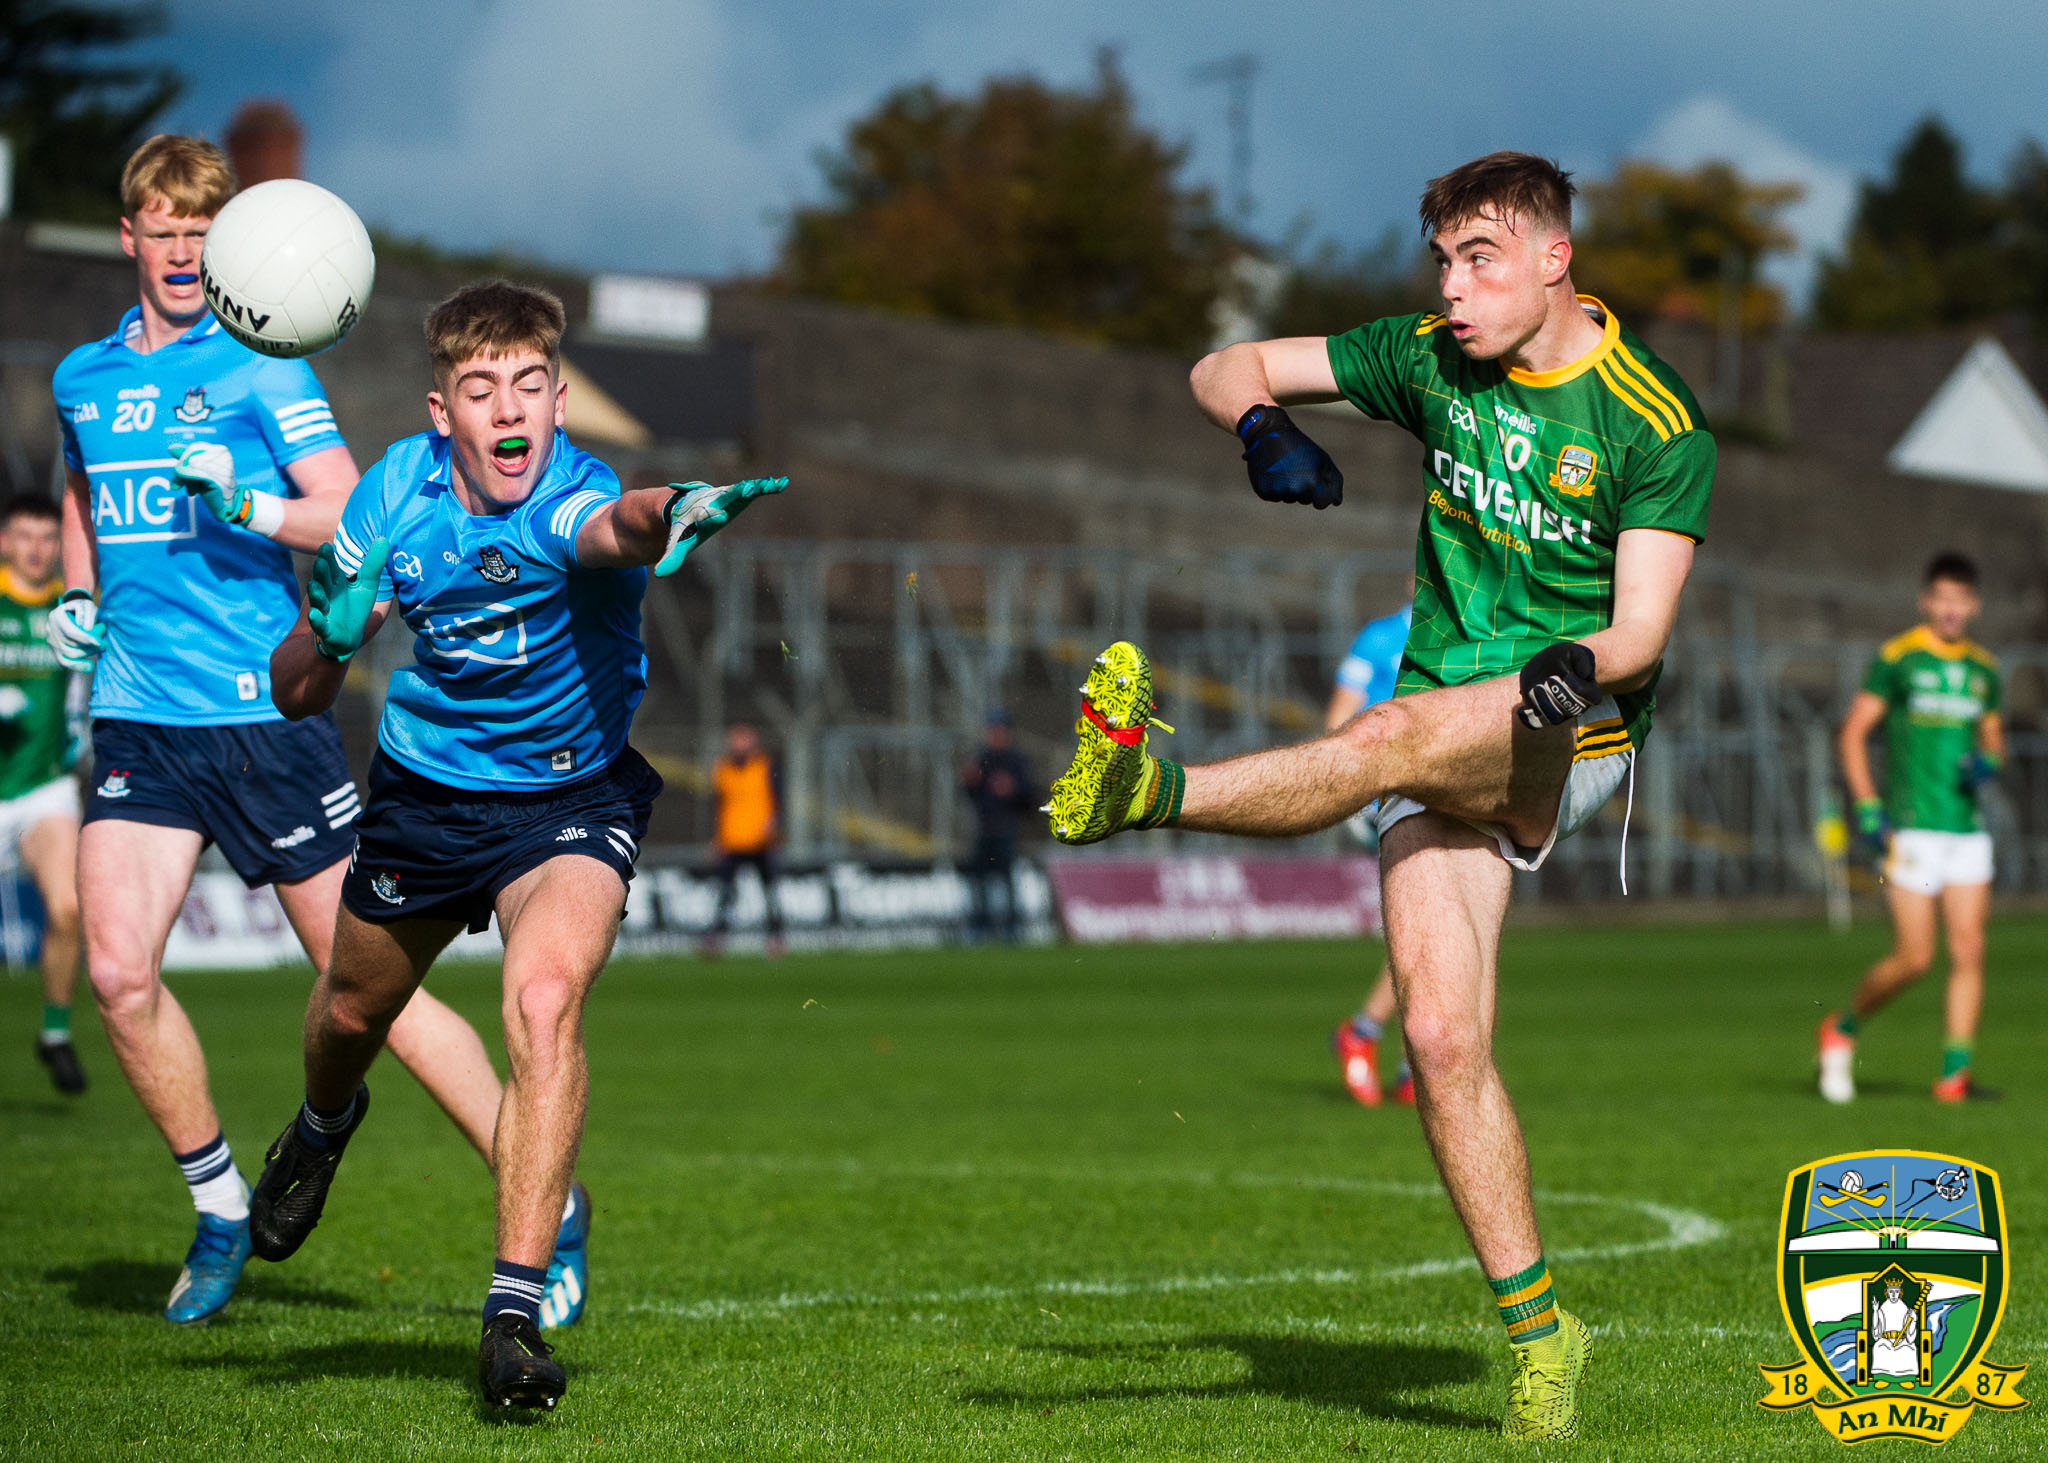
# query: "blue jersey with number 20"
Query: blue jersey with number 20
{"points": [[526, 667], [192, 607]]}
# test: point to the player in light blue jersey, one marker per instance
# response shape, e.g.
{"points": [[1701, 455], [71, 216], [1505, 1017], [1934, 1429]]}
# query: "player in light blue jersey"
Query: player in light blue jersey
{"points": [[1367, 675], [503, 783], [193, 468]]}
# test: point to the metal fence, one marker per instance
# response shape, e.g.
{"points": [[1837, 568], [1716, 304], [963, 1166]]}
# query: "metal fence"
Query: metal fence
{"points": [[871, 665]]}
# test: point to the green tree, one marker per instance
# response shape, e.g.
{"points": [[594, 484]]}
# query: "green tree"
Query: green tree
{"points": [[1924, 248], [72, 116], [1021, 205], [1666, 242]]}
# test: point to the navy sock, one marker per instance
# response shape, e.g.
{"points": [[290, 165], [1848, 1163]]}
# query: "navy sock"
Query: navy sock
{"points": [[1365, 1027], [515, 1288], [325, 1130]]}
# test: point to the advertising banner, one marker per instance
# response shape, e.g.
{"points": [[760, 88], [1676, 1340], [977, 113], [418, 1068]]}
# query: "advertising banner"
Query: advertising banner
{"points": [[1106, 900]]}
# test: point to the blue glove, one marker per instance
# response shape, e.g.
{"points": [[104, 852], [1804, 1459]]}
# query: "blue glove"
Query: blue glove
{"points": [[695, 511], [1285, 466], [74, 631], [339, 603], [1977, 769], [1873, 828]]}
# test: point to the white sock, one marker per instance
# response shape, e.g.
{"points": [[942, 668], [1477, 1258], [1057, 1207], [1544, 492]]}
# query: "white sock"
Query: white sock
{"points": [[225, 1196], [216, 1186]]}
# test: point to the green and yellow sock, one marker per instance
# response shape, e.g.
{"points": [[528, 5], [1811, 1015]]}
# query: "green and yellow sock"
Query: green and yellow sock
{"points": [[56, 1024], [1528, 1305], [1955, 1056], [1157, 799]]}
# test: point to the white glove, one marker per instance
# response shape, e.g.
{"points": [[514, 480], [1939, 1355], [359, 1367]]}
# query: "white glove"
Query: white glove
{"points": [[207, 471], [74, 631], [13, 701]]}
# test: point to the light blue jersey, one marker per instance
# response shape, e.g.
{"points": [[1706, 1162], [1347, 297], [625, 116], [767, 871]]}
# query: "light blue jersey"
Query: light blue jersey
{"points": [[1374, 660], [192, 607], [526, 668]]}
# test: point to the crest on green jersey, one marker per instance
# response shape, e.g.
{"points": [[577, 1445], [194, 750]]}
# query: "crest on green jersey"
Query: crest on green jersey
{"points": [[1575, 468], [1892, 1277]]}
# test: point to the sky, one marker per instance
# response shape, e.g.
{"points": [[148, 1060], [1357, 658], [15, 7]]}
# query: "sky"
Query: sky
{"points": [[672, 136]]}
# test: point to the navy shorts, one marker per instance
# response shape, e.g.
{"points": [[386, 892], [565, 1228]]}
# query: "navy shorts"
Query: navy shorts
{"points": [[425, 850], [275, 795]]}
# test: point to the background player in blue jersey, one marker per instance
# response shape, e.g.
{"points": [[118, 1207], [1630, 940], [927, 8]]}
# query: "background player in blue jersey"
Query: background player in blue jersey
{"points": [[503, 782], [193, 468], [1365, 675]]}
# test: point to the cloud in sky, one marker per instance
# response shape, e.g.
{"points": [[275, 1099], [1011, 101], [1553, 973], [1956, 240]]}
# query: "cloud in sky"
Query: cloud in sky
{"points": [[672, 134], [1705, 129]]}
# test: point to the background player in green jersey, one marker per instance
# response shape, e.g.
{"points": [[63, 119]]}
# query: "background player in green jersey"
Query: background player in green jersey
{"points": [[1936, 694], [1565, 484], [38, 744]]}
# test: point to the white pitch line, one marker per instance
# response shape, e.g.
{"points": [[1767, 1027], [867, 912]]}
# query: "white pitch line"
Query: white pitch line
{"points": [[1683, 1229]]}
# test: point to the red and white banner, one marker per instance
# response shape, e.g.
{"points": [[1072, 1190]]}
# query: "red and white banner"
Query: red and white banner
{"points": [[1103, 900]]}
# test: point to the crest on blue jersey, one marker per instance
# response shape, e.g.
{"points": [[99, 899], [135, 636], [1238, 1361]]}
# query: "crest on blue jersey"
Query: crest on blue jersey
{"points": [[491, 564], [194, 407], [1892, 1276]]}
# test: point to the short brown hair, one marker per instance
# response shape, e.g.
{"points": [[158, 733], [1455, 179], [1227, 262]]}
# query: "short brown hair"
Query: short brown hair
{"points": [[494, 318], [1510, 186], [189, 174]]}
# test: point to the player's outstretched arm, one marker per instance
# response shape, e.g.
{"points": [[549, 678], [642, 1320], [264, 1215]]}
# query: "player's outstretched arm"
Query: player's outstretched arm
{"points": [[1241, 388], [342, 612], [206, 470], [73, 629], [661, 526], [1852, 745]]}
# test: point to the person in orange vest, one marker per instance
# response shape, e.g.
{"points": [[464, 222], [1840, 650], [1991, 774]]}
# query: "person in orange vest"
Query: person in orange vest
{"points": [[746, 793]]}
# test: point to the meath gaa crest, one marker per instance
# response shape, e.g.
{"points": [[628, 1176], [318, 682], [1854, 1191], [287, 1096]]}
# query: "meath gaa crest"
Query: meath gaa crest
{"points": [[1892, 1274]]}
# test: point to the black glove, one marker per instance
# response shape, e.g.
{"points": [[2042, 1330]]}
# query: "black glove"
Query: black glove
{"points": [[1558, 686], [1285, 466]]}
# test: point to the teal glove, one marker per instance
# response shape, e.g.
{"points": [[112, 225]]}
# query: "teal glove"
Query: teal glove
{"points": [[339, 603], [1873, 828], [1978, 768], [696, 511]]}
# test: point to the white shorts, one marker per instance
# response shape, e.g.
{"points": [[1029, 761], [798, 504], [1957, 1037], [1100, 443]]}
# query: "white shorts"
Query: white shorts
{"points": [[54, 799], [1604, 760], [1927, 862]]}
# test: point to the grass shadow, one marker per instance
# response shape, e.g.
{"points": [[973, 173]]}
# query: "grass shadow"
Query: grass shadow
{"points": [[140, 1287], [285, 1366], [1372, 1377]]}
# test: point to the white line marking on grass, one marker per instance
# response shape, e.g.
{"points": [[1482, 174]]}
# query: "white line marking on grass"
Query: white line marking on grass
{"points": [[1683, 1229]]}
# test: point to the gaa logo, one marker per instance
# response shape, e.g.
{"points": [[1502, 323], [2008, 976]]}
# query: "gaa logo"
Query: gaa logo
{"points": [[1892, 1276], [1575, 468]]}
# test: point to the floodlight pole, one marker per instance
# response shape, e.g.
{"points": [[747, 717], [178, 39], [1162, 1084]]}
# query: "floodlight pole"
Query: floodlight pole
{"points": [[1236, 73]]}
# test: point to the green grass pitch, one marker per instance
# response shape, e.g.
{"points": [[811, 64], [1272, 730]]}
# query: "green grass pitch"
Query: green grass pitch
{"points": [[1094, 1203]]}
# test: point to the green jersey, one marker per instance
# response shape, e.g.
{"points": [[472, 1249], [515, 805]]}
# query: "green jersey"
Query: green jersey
{"points": [[1530, 480], [35, 724], [1935, 695]]}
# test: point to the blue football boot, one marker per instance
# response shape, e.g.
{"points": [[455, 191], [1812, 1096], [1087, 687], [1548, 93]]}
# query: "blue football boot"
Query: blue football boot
{"points": [[561, 1304], [212, 1266]]}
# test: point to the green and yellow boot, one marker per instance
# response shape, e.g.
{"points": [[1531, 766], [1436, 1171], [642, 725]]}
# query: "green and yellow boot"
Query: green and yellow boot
{"points": [[1543, 1398], [1112, 784]]}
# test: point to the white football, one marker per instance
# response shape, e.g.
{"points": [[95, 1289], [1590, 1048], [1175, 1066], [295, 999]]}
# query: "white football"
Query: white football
{"points": [[287, 268]]}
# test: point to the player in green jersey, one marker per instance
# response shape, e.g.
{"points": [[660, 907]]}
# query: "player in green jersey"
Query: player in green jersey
{"points": [[1565, 478], [38, 744], [1936, 694]]}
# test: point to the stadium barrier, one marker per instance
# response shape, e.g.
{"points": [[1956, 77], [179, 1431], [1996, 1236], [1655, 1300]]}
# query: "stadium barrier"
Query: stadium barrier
{"points": [[840, 905], [1118, 900]]}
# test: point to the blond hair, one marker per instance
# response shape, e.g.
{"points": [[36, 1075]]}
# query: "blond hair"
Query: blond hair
{"points": [[494, 318], [189, 175]]}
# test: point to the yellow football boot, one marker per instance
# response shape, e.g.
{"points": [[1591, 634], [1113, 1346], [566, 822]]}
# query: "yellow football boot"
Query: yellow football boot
{"points": [[1112, 783], [1543, 1398]]}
